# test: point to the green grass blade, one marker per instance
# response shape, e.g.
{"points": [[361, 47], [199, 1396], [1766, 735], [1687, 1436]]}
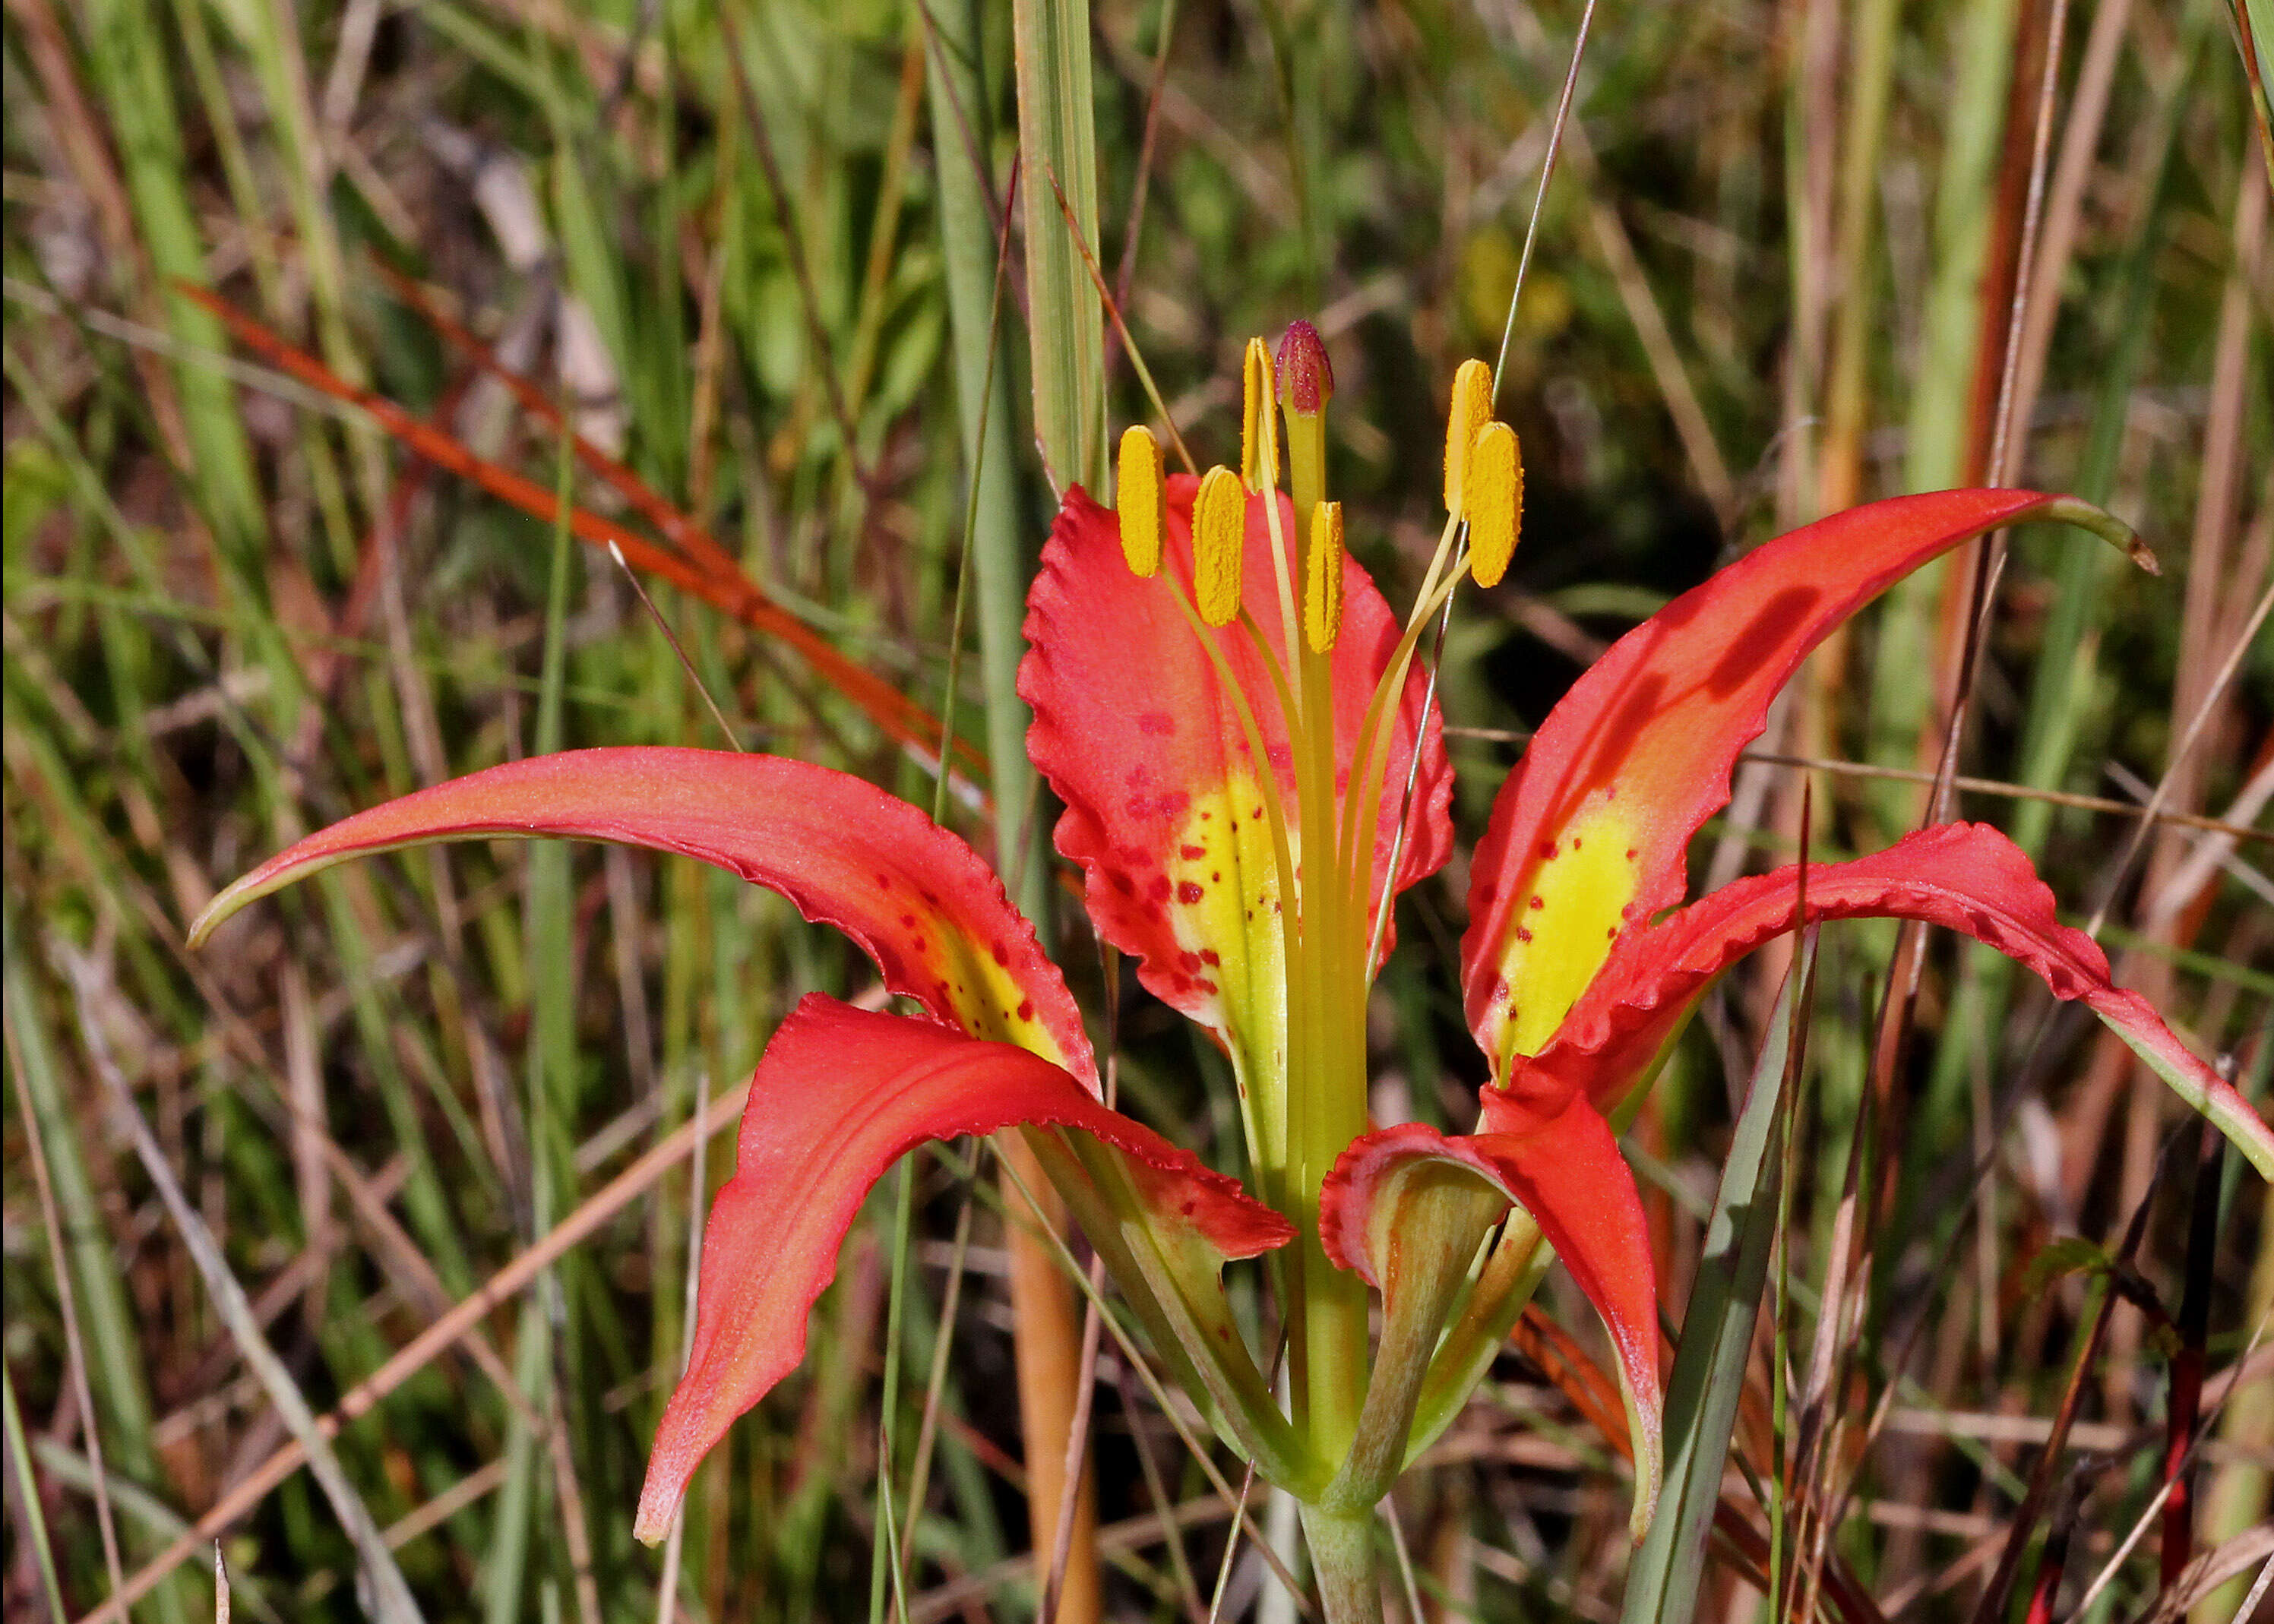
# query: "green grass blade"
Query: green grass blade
{"points": [[1905, 671], [1717, 1336], [961, 131], [27, 1494], [106, 1320], [388, 1594], [125, 56], [1057, 137]]}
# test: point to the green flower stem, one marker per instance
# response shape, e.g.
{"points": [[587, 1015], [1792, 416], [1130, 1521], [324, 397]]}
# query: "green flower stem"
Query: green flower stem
{"points": [[1342, 1561]]}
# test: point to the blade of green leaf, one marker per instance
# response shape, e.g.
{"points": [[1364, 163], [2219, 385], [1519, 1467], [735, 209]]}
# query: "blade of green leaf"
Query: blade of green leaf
{"points": [[1058, 136], [1717, 1332]]}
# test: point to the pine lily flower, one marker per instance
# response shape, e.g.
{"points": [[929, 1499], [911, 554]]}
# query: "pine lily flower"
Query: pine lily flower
{"points": [[1233, 717]]}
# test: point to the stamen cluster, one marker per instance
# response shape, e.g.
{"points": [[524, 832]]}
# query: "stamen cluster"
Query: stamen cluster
{"points": [[1326, 915]]}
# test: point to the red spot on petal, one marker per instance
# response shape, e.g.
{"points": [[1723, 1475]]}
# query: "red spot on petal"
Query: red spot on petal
{"points": [[1159, 723], [1537, 903], [1188, 959], [1002, 954], [909, 919], [1157, 888], [1190, 892], [1027, 1009], [1191, 853], [1631, 853], [1122, 882], [1575, 843], [1547, 848], [1523, 935], [1208, 956]]}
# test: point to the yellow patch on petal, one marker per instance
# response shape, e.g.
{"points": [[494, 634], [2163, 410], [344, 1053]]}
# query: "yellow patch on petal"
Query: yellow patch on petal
{"points": [[1224, 905], [1576, 899], [975, 981]]}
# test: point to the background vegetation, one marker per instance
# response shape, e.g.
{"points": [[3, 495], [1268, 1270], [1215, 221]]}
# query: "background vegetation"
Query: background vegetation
{"points": [[1794, 255]]}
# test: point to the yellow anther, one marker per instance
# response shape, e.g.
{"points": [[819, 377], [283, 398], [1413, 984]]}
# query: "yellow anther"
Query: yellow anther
{"points": [[1259, 431], [1492, 499], [1219, 537], [1137, 499], [1471, 410], [1323, 579]]}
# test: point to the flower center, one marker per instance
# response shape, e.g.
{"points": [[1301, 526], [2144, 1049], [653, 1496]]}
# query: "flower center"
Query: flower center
{"points": [[1332, 798], [1325, 792]]}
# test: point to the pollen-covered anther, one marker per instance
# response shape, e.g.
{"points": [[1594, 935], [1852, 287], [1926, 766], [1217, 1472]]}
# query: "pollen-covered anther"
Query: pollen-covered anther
{"points": [[1137, 499], [1323, 579], [1219, 536], [1472, 410], [1493, 498], [1258, 430], [1306, 380]]}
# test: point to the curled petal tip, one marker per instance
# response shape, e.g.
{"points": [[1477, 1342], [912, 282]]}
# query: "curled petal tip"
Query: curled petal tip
{"points": [[658, 1504], [2104, 525], [208, 921]]}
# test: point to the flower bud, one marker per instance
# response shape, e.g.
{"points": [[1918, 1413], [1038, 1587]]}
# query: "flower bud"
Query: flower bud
{"points": [[1306, 380]]}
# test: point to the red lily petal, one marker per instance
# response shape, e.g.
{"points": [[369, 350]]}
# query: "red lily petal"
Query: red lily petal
{"points": [[841, 1095], [1588, 834], [1566, 1172], [1966, 877], [1136, 734], [916, 899]]}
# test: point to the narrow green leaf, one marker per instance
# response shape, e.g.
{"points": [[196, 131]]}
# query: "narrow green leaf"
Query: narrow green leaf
{"points": [[1057, 138], [1717, 1335]]}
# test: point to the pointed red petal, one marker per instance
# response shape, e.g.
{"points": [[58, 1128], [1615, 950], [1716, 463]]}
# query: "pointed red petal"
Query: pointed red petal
{"points": [[1588, 833], [841, 1095], [1566, 1172], [1136, 734], [917, 900], [1966, 877]]}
